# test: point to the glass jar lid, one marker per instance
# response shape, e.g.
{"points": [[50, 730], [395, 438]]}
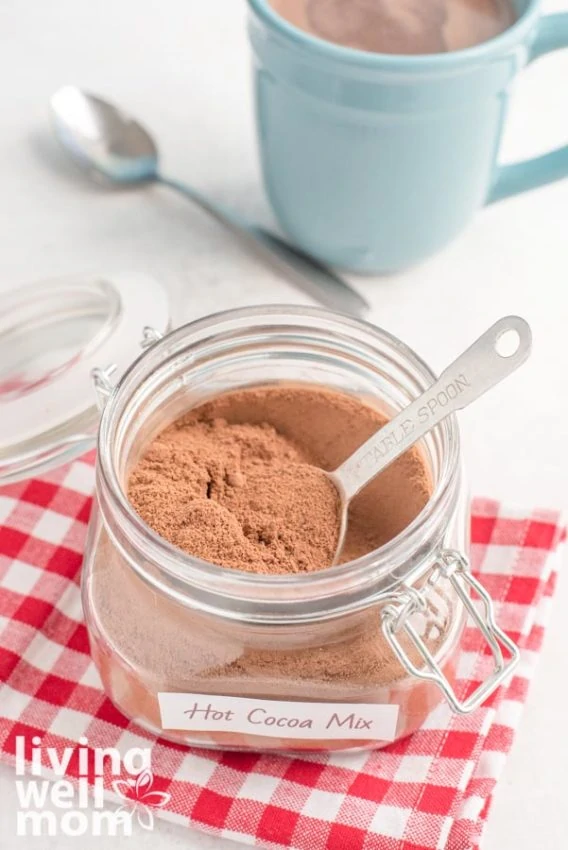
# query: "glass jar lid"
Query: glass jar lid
{"points": [[53, 335]]}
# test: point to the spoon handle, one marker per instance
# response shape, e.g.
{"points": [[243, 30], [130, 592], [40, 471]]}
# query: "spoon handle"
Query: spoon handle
{"points": [[478, 369], [303, 271]]}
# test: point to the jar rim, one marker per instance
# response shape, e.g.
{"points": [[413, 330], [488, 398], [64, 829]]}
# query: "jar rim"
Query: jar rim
{"points": [[176, 568]]}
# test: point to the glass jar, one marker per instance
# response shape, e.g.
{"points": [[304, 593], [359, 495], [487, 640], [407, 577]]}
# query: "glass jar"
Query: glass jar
{"points": [[353, 656]]}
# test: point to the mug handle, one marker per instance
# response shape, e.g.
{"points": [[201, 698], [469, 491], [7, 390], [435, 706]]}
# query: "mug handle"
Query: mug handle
{"points": [[519, 177]]}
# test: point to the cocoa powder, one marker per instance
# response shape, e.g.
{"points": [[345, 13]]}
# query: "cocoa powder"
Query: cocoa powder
{"points": [[237, 495], [234, 482]]}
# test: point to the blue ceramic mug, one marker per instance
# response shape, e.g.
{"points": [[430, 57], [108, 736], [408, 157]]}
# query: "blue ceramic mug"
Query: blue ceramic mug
{"points": [[374, 161]]}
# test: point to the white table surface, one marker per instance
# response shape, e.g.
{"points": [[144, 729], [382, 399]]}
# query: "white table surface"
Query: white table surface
{"points": [[183, 67]]}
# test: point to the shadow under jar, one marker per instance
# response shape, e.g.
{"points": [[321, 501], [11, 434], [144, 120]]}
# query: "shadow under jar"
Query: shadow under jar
{"points": [[173, 636]]}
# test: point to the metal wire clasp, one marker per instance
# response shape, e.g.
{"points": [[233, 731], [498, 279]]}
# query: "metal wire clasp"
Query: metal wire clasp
{"points": [[396, 617], [149, 337], [103, 384], [102, 377]]}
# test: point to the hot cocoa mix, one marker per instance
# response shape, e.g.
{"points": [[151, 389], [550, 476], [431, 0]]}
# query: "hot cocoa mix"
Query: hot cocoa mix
{"points": [[233, 481]]}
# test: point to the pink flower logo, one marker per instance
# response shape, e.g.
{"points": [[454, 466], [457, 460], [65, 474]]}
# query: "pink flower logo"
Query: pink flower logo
{"points": [[138, 794]]}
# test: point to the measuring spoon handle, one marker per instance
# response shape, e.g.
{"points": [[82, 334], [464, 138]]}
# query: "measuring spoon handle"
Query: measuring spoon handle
{"points": [[478, 369]]}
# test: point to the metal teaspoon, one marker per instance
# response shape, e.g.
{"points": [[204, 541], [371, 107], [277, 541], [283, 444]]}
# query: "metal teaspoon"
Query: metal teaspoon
{"points": [[106, 141], [479, 368]]}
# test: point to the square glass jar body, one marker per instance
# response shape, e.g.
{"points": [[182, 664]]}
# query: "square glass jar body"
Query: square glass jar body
{"points": [[161, 621]]}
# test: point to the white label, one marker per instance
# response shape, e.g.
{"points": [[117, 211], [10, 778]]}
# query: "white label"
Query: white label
{"points": [[276, 719]]}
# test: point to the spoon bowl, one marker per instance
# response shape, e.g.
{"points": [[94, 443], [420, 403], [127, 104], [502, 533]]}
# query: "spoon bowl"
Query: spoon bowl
{"points": [[102, 138]]}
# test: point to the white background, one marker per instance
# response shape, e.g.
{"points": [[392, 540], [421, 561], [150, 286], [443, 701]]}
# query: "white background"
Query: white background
{"points": [[183, 67]]}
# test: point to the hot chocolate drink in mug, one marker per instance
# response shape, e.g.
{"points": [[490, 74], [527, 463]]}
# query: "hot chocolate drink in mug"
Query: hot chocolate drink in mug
{"points": [[400, 26]]}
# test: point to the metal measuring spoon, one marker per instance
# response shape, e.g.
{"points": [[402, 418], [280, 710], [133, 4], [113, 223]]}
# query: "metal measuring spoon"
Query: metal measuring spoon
{"points": [[474, 372], [106, 141]]}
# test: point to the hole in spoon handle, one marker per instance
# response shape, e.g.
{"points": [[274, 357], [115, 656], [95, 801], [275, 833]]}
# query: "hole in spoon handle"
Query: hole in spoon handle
{"points": [[494, 356], [497, 353]]}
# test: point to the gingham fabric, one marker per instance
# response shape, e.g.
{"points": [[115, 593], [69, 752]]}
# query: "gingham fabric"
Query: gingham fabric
{"points": [[431, 790]]}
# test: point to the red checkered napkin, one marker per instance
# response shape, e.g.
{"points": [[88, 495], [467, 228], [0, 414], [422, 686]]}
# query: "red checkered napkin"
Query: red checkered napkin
{"points": [[428, 792]]}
